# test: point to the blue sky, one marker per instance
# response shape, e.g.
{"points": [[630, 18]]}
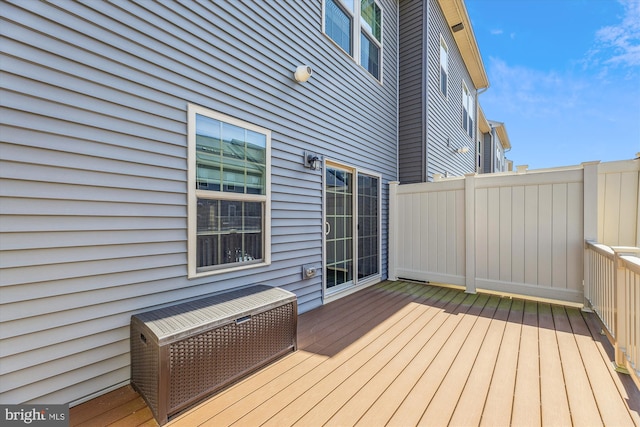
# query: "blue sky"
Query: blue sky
{"points": [[564, 75]]}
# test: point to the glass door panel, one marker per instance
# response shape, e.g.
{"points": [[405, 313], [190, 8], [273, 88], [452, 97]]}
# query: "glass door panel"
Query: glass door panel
{"points": [[368, 229], [339, 227]]}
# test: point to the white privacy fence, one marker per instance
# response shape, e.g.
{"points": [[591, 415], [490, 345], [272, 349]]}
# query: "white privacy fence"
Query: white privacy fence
{"points": [[514, 233], [520, 232], [612, 288], [524, 233]]}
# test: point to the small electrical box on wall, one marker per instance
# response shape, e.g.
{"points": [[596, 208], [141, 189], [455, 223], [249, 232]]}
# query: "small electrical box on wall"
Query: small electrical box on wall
{"points": [[309, 271]]}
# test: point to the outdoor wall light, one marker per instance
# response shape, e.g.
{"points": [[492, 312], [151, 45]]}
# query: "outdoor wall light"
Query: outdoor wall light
{"points": [[312, 161], [302, 73], [463, 150]]}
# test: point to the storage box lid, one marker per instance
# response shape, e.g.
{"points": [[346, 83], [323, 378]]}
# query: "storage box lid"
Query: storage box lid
{"points": [[178, 321]]}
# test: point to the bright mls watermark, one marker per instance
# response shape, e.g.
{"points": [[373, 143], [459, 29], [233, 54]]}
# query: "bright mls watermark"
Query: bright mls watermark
{"points": [[34, 415]]}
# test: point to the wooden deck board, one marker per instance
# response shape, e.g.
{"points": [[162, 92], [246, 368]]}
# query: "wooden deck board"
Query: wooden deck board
{"points": [[625, 385], [582, 404], [406, 354], [234, 405], [471, 402], [313, 386], [108, 401], [498, 406], [608, 398], [361, 401], [553, 396], [456, 329], [387, 404], [442, 406], [375, 375], [526, 399]]}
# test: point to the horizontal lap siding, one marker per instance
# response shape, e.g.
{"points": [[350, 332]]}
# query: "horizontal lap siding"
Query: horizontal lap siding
{"points": [[412, 113], [94, 170], [444, 115]]}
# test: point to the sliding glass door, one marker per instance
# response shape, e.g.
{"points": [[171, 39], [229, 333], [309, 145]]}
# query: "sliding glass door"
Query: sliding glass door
{"points": [[352, 226]]}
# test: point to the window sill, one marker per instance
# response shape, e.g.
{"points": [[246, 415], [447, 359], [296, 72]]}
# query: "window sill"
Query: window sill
{"points": [[239, 267]]}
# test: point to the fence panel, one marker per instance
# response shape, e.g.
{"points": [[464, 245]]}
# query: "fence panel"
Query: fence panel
{"points": [[529, 234], [618, 203], [520, 233], [430, 241]]}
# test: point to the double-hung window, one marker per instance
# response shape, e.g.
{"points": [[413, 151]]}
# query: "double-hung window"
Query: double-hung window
{"points": [[229, 193], [444, 66], [356, 27], [467, 110]]}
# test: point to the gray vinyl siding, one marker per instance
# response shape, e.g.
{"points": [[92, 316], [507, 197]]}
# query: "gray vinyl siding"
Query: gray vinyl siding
{"points": [[412, 90], [445, 114], [94, 165], [427, 118], [487, 153]]}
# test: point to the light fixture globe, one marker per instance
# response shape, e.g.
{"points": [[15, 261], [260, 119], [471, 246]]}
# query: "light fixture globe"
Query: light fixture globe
{"points": [[302, 73]]}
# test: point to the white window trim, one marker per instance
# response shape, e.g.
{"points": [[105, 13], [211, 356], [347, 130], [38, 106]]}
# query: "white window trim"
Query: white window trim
{"points": [[329, 295], [356, 19], [443, 44], [468, 105], [193, 193]]}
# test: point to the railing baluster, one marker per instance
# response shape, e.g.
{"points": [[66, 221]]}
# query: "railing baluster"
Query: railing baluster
{"points": [[613, 289]]}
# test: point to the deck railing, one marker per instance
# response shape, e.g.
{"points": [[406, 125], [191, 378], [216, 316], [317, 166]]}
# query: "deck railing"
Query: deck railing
{"points": [[612, 288]]}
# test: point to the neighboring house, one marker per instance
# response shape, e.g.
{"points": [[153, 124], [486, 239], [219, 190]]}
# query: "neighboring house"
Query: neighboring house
{"points": [[155, 152], [494, 146], [441, 73]]}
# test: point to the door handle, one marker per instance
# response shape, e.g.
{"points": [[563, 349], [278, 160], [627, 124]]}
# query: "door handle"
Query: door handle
{"points": [[327, 228]]}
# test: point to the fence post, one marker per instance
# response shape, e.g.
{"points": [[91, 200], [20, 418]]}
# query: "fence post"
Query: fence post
{"points": [[590, 217], [393, 230], [470, 232]]}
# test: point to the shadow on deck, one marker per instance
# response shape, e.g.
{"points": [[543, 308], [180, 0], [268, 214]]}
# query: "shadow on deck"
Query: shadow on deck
{"points": [[404, 354]]}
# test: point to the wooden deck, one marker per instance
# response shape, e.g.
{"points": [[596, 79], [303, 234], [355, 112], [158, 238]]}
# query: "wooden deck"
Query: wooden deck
{"points": [[403, 354]]}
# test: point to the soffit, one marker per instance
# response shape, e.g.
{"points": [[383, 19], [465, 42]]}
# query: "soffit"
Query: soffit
{"points": [[482, 121], [501, 130], [455, 12], [504, 138]]}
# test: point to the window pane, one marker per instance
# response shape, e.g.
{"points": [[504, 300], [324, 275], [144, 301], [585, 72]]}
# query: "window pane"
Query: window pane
{"points": [[444, 66], [228, 232], [370, 56], [338, 25], [229, 158], [371, 18], [367, 226], [465, 118], [208, 151], [256, 154]]}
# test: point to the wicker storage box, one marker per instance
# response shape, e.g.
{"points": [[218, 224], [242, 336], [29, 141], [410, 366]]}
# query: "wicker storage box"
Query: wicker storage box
{"points": [[185, 352]]}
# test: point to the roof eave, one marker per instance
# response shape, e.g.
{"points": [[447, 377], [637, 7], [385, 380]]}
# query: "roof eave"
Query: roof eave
{"points": [[455, 13]]}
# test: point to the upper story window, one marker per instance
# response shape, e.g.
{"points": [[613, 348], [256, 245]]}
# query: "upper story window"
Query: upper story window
{"points": [[356, 26], [444, 66], [229, 193], [467, 110]]}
